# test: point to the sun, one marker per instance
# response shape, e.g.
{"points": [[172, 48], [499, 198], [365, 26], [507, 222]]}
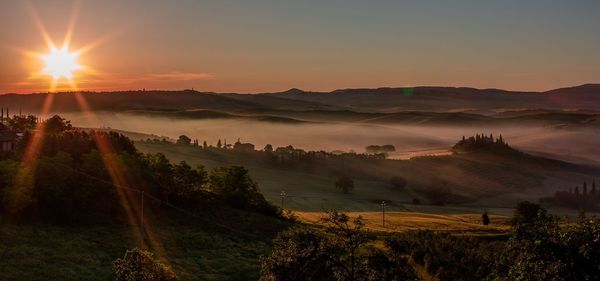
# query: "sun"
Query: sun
{"points": [[60, 63]]}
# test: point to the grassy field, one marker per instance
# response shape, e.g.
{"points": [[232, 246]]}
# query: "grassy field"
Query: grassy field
{"points": [[405, 221], [195, 251], [305, 191], [496, 184]]}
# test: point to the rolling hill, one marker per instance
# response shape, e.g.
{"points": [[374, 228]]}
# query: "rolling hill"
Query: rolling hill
{"points": [[435, 99]]}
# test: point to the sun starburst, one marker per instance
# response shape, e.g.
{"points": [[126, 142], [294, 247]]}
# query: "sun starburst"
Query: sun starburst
{"points": [[60, 63]]}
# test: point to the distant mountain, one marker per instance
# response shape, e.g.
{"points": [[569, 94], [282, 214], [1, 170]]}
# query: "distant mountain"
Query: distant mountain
{"points": [[381, 100], [450, 98]]}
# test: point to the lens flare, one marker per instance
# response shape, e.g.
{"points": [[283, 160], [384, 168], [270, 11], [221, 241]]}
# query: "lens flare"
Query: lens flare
{"points": [[60, 63]]}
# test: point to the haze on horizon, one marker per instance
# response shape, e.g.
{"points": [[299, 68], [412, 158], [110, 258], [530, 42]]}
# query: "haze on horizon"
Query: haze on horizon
{"points": [[267, 45]]}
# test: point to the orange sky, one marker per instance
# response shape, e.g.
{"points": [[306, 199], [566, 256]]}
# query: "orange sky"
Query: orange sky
{"points": [[268, 45]]}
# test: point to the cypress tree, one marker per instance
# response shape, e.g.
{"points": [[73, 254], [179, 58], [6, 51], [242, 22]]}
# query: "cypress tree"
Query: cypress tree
{"points": [[584, 188], [485, 218]]}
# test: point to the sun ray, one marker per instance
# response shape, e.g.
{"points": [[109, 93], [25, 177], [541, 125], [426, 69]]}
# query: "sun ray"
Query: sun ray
{"points": [[60, 65], [121, 179], [38, 23], [71, 25]]}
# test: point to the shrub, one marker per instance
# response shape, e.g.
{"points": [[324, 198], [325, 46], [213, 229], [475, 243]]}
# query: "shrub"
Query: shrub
{"points": [[140, 265]]}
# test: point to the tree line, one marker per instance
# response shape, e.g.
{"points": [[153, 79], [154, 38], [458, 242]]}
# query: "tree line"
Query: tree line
{"points": [[71, 183], [576, 198], [538, 247]]}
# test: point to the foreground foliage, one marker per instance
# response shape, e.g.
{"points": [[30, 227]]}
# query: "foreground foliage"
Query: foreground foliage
{"points": [[343, 251], [140, 265], [73, 180], [539, 247]]}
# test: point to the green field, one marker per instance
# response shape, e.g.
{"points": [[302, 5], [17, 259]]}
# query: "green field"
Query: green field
{"points": [[305, 191], [486, 181], [226, 248]]}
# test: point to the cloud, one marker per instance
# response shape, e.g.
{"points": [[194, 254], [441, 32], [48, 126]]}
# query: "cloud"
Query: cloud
{"points": [[179, 76]]}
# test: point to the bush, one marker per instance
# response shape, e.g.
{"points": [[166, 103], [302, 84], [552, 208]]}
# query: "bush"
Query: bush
{"points": [[345, 184], [140, 265]]}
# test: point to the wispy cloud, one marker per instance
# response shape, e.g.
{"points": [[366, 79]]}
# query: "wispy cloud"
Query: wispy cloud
{"points": [[178, 76]]}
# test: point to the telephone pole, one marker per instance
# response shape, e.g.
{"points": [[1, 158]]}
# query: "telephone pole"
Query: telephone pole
{"points": [[282, 195], [383, 213], [142, 213]]}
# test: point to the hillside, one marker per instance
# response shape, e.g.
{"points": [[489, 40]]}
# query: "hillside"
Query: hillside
{"points": [[464, 179], [435, 99]]}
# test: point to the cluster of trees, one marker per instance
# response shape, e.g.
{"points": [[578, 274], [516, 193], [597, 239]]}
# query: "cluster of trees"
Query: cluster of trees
{"points": [[576, 199], [538, 247], [342, 251], [378, 149], [185, 140], [23, 122], [481, 142], [70, 181]]}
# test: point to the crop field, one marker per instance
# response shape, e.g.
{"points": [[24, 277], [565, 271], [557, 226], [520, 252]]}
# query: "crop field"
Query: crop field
{"points": [[406, 221]]}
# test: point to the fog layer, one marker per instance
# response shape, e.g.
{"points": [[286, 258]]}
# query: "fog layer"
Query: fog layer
{"points": [[573, 144]]}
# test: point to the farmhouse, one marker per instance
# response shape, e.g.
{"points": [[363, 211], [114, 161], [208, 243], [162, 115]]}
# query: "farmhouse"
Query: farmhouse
{"points": [[247, 147], [8, 139]]}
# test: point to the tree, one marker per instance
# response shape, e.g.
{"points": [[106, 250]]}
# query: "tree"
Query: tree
{"points": [[204, 145], [187, 180], [184, 140], [299, 254], [219, 145], [140, 265], [345, 184], [485, 218], [268, 148], [23, 123], [525, 213], [57, 124], [584, 188], [348, 235], [235, 186], [341, 252]]}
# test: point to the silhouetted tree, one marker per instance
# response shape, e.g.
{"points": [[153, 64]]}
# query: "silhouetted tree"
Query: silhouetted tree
{"points": [[184, 140], [485, 218], [268, 148], [345, 184], [525, 213], [57, 124], [219, 145]]}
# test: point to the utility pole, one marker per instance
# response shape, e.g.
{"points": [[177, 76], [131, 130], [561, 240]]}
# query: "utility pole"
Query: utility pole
{"points": [[383, 213], [142, 214], [282, 195]]}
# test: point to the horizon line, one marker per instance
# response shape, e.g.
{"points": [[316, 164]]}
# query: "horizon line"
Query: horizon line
{"points": [[290, 89]]}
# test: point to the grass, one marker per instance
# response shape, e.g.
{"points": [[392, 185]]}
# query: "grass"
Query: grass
{"points": [[406, 221], [194, 250], [305, 191]]}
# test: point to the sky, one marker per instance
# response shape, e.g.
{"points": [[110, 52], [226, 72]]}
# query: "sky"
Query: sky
{"points": [[251, 46]]}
